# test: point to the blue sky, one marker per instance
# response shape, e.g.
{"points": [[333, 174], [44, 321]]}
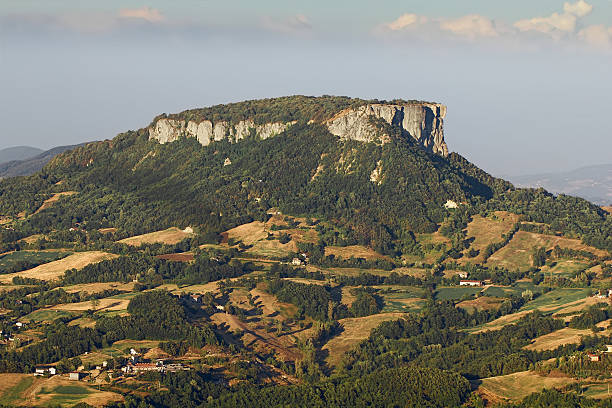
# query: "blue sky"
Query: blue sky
{"points": [[527, 83]]}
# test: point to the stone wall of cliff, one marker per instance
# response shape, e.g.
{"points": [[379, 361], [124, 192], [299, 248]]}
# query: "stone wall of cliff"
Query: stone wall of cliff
{"points": [[423, 121]]}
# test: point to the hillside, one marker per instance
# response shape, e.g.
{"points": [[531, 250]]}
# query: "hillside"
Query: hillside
{"points": [[18, 153], [30, 164], [315, 252]]}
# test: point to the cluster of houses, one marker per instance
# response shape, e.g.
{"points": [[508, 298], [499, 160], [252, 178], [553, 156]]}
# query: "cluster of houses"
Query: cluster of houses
{"points": [[596, 357], [603, 294], [134, 365]]}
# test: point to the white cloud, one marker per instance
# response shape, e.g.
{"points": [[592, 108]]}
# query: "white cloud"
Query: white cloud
{"points": [[596, 35], [144, 13], [557, 23], [471, 26], [405, 21], [292, 24], [580, 9]]}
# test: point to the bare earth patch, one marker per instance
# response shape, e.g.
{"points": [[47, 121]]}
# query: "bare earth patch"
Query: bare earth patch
{"points": [[53, 199], [56, 269], [356, 329], [169, 236]]}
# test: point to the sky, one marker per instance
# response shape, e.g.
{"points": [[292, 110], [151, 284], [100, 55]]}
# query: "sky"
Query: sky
{"points": [[527, 84]]}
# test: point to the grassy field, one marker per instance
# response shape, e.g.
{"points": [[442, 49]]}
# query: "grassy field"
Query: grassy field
{"points": [[169, 236], [517, 254], [47, 315], [402, 299], [56, 269], [488, 230], [356, 329], [556, 299], [357, 251], [13, 386], [563, 336], [456, 292], [481, 303], [518, 385], [12, 259], [566, 268]]}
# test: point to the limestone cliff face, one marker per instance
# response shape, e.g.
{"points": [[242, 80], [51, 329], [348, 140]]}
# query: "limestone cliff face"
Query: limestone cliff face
{"points": [[169, 130], [423, 121]]}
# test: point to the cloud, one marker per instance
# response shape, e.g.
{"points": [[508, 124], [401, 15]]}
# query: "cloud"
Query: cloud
{"points": [[557, 23], [144, 13], [596, 35], [405, 21], [579, 9], [292, 24], [471, 26]]}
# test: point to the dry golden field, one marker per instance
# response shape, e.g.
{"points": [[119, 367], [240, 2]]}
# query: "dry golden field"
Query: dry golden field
{"points": [[56, 269], [169, 236], [356, 329]]}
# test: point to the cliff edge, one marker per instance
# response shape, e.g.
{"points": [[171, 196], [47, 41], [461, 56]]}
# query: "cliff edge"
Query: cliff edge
{"points": [[422, 121]]}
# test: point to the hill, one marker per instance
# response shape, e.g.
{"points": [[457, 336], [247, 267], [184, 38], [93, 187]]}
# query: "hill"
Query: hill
{"points": [[593, 183], [30, 164], [18, 153], [297, 251]]}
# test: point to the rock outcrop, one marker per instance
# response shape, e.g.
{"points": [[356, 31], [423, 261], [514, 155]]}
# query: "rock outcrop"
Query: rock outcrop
{"points": [[168, 130], [422, 121]]}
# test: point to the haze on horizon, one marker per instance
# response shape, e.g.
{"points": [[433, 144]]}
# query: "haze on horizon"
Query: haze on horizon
{"points": [[527, 85]]}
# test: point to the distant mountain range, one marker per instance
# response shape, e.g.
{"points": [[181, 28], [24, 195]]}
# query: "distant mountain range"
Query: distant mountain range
{"points": [[23, 160], [593, 183], [18, 153]]}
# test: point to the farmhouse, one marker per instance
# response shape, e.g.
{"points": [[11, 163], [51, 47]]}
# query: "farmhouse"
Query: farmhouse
{"points": [[463, 275], [296, 261], [594, 357], [471, 283], [76, 376], [43, 370]]}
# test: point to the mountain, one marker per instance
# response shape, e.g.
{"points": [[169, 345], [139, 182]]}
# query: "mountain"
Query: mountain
{"points": [[329, 251], [593, 183], [18, 153], [30, 164], [379, 170]]}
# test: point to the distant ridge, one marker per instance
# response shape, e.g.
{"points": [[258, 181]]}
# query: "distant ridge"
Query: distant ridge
{"points": [[593, 183], [32, 164], [18, 153]]}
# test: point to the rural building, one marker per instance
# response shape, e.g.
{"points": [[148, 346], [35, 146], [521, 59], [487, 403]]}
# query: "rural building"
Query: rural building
{"points": [[221, 308], [76, 376], [609, 348], [450, 205], [43, 370], [196, 298], [594, 357], [471, 283], [463, 275], [296, 261]]}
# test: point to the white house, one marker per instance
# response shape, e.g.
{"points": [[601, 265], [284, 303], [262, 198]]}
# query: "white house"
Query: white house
{"points": [[450, 205], [42, 370], [471, 283]]}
